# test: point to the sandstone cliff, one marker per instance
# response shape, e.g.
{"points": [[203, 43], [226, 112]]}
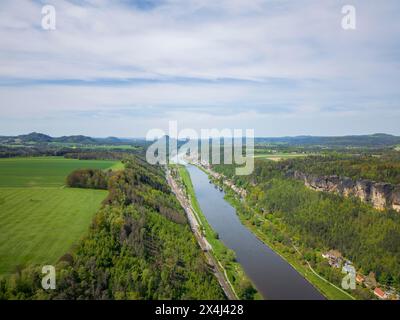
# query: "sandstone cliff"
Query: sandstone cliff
{"points": [[380, 195]]}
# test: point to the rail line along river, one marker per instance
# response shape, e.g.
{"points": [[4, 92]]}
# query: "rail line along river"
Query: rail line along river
{"points": [[271, 274]]}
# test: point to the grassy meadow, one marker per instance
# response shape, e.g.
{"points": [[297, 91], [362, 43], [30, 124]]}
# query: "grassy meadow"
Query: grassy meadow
{"points": [[39, 225], [279, 156], [43, 171], [40, 219]]}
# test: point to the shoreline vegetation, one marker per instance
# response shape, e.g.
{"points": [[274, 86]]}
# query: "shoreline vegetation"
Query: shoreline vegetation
{"points": [[226, 257], [328, 289], [289, 216]]}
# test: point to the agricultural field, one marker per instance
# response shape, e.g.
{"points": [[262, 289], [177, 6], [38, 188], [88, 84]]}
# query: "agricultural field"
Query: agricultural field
{"points": [[43, 171], [40, 219], [39, 225], [279, 156], [117, 166]]}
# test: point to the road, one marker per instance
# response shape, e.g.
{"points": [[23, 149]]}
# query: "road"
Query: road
{"points": [[217, 268]]}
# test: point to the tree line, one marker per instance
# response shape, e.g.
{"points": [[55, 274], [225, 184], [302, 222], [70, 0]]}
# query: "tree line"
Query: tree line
{"points": [[139, 246], [385, 168], [89, 178], [323, 221]]}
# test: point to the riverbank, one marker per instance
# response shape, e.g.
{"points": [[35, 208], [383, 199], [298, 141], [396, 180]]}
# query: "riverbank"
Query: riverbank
{"points": [[234, 272], [293, 257], [289, 253], [214, 264]]}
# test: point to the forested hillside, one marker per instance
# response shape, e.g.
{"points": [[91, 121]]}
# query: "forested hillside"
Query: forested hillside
{"points": [[138, 247], [321, 221], [385, 168]]}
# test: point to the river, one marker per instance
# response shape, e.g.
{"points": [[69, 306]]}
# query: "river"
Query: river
{"points": [[273, 277]]}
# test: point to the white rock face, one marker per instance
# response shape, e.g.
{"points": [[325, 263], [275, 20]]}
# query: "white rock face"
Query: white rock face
{"points": [[380, 195]]}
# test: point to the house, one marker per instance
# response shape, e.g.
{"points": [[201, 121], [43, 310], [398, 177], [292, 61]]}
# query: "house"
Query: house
{"points": [[360, 278], [380, 293], [332, 254], [370, 280], [334, 258], [391, 293]]}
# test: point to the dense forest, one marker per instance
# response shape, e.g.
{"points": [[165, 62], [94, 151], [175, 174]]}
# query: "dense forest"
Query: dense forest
{"points": [[382, 168], [67, 152], [138, 247], [385, 168], [23, 151], [322, 221], [89, 178], [97, 155]]}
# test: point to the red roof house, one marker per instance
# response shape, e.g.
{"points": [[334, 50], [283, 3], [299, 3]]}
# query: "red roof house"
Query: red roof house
{"points": [[380, 293], [360, 278]]}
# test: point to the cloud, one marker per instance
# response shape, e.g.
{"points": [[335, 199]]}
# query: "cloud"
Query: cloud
{"points": [[155, 59]]}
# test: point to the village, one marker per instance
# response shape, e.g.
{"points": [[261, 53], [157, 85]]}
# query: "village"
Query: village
{"points": [[336, 260]]}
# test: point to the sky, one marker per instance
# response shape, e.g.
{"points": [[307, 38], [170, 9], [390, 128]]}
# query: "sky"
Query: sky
{"points": [[121, 68]]}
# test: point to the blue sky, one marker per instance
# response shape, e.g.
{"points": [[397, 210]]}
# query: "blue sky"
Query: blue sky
{"points": [[122, 68]]}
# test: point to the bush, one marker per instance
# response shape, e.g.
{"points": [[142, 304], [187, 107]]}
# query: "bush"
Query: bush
{"points": [[88, 178]]}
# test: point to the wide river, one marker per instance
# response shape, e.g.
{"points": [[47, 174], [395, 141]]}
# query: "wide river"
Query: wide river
{"points": [[272, 275]]}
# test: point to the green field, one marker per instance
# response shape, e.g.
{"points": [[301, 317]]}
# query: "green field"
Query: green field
{"points": [[117, 166], [39, 225], [43, 171], [279, 156], [40, 218]]}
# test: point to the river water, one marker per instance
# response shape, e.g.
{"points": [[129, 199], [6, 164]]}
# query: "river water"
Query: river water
{"points": [[272, 275]]}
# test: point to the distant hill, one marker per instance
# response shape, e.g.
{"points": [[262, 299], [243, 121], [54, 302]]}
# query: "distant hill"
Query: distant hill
{"points": [[111, 140], [41, 138], [374, 140], [34, 137], [377, 140], [75, 139]]}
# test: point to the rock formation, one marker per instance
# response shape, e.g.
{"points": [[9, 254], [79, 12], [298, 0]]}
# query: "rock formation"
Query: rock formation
{"points": [[380, 195]]}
